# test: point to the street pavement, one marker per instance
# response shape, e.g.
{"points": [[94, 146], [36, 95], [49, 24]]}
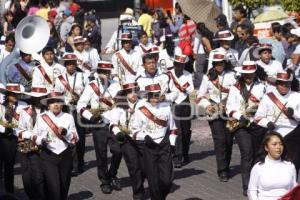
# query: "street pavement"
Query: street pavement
{"points": [[195, 181]]}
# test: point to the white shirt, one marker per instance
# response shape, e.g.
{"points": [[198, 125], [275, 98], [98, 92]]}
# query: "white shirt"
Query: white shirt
{"points": [[142, 125], [185, 82], [3, 54], [21, 105], [52, 71], [83, 58], [26, 125], [271, 180], [267, 112], [43, 131], [89, 96], [133, 59], [94, 57], [164, 60], [272, 68], [140, 48], [167, 86], [198, 46], [208, 91], [236, 105], [76, 81]]}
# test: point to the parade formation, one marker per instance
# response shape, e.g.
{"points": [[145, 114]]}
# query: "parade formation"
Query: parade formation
{"points": [[137, 97]]}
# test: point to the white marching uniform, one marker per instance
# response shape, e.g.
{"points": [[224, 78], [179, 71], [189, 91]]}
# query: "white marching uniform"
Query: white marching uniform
{"points": [[143, 49], [134, 61], [209, 91], [268, 112], [83, 57], [94, 57], [236, 106], [89, 96], [167, 86], [231, 55], [183, 85], [15, 76], [3, 54], [52, 72], [142, 125], [43, 131], [26, 125], [15, 118], [77, 82], [272, 68], [165, 61]]}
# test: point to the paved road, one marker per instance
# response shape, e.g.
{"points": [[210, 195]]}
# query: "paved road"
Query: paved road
{"points": [[195, 181]]}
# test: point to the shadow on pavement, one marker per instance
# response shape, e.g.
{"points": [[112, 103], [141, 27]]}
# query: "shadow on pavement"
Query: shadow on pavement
{"points": [[80, 195], [200, 156], [185, 173]]}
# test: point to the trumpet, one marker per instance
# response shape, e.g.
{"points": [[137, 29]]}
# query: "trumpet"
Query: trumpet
{"points": [[233, 125]]}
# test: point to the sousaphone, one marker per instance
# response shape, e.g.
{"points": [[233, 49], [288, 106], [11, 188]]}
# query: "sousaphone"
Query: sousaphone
{"points": [[32, 34]]}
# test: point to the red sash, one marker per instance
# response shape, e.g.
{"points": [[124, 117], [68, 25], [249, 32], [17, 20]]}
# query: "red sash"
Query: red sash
{"points": [[220, 87], [101, 98], [16, 116], [29, 111], [45, 75], [177, 85], [150, 116], [125, 64], [144, 50], [278, 103], [251, 97], [23, 72], [52, 126], [65, 83]]}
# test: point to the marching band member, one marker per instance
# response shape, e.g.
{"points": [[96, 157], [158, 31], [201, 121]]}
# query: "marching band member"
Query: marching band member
{"points": [[121, 127], [183, 82], [144, 44], [32, 175], [9, 115], [271, 67], [153, 123], [99, 93], [212, 95], [46, 72], [279, 111], [151, 74], [83, 57], [126, 61], [21, 72], [55, 131], [166, 54], [242, 102], [71, 84], [94, 57], [224, 37]]}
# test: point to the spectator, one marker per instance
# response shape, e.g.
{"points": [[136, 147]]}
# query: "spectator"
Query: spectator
{"points": [[8, 27], [18, 12], [240, 17], [146, 20], [94, 32], [201, 50], [157, 26], [243, 33], [222, 25], [265, 181], [295, 57], [176, 23], [74, 7], [8, 46], [33, 7], [94, 57], [66, 25], [44, 9], [76, 30], [54, 39], [247, 54]]}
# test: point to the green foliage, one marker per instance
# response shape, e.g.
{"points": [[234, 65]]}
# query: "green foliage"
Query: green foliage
{"points": [[291, 5], [252, 4]]}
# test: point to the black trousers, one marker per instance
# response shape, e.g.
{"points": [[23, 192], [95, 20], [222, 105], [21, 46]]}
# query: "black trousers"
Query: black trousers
{"points": [[159, 169], [8, 149], [32, 176], [57, 170], [292, 142], [133, 155], [102, 138], [182, 113], [249, 141], [223, 141], [78, 152]]}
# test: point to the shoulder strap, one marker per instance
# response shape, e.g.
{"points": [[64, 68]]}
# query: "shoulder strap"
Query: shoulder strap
{"points": [[29, 111], [95, 88], [65, 83], [23, 72], [277, 102], [125, 64], [45, 75], [176, 83], [152, 117]]}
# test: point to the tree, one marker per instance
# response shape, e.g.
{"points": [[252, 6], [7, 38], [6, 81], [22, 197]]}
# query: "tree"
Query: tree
{"points": [[291, 5]]}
